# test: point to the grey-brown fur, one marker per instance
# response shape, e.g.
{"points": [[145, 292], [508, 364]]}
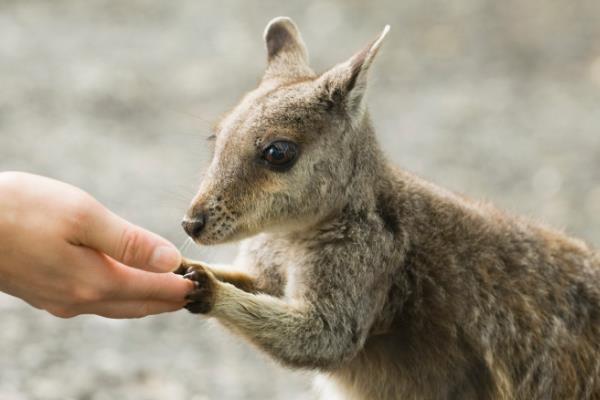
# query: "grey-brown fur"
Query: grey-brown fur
{"points": [[392, 287]]}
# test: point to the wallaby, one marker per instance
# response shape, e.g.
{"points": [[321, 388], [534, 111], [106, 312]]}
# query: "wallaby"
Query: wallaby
{"points": [[390, 286]]}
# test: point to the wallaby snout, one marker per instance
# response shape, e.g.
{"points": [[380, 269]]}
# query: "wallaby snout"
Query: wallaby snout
{"points": [[210, 218], [193, 227]]}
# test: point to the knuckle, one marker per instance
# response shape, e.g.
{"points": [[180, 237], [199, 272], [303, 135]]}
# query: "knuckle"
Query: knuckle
{"points": [[129, 250], [84, 295], [62, 312], [143, 310], [81, 209]]}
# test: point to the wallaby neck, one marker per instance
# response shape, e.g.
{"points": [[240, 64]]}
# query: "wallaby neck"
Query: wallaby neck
{"points": [[368, 173], [370, 170]]}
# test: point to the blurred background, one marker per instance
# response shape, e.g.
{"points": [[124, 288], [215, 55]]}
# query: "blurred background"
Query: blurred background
{"points": [[497, 100]]}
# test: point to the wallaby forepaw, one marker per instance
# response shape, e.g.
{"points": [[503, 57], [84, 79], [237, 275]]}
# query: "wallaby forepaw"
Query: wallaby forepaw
{"points": [[202, 298]]}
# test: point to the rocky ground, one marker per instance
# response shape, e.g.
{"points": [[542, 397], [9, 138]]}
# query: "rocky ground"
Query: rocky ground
{"points": [[497, 100]]}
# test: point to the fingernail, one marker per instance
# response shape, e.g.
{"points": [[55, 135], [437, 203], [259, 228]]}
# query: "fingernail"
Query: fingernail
{"points": [[165, 258]]}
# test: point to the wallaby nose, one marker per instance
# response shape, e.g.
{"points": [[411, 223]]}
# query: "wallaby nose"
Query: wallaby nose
{"points": [[194, 226]]}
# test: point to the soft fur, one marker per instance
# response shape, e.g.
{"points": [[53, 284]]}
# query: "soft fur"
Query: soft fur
{"points": [[390, 286]]}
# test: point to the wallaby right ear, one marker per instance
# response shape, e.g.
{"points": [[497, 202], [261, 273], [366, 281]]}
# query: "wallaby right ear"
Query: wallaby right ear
{"points": [[345, 84], [287, 56]]}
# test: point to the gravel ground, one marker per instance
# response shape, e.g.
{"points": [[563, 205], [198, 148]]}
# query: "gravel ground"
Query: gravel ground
{"points": [[497, 100]]}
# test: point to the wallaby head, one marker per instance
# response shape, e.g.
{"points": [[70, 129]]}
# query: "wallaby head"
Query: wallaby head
{"points": [[284, 156]]}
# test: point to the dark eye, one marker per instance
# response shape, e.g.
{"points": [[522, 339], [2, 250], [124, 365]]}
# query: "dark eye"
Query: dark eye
{"points": [[280, 154]]}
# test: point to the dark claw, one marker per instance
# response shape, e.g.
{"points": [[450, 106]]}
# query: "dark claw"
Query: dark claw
{"points": [[192, 275], [183, 270]]}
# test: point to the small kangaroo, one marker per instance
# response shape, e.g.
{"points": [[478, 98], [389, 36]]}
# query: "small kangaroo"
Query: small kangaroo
{"points": [[390, 286]]}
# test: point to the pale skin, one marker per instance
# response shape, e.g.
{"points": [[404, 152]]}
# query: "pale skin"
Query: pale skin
{"points": [[64, 252]]}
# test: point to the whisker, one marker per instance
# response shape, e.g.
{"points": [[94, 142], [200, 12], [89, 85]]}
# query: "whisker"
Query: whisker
{"points": [[184, 246]]}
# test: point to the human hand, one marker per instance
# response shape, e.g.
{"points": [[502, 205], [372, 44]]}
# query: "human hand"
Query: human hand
{"points": [[62, 251]]}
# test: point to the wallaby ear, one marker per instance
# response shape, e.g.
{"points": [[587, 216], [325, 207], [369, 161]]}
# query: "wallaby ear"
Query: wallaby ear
{"points": [[346, 82], [287, 56]]}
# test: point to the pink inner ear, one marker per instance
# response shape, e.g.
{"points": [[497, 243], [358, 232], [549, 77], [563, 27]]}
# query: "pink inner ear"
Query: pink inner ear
{"points": [[277, 37], [282, 35], [286, 53]]}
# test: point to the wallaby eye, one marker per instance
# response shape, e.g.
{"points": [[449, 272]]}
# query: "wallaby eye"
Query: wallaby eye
{"points": [[280, 154]]}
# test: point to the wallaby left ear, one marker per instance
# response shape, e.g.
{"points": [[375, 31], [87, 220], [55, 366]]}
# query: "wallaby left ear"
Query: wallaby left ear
{"points": [[346, 83], [287, 57]]}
